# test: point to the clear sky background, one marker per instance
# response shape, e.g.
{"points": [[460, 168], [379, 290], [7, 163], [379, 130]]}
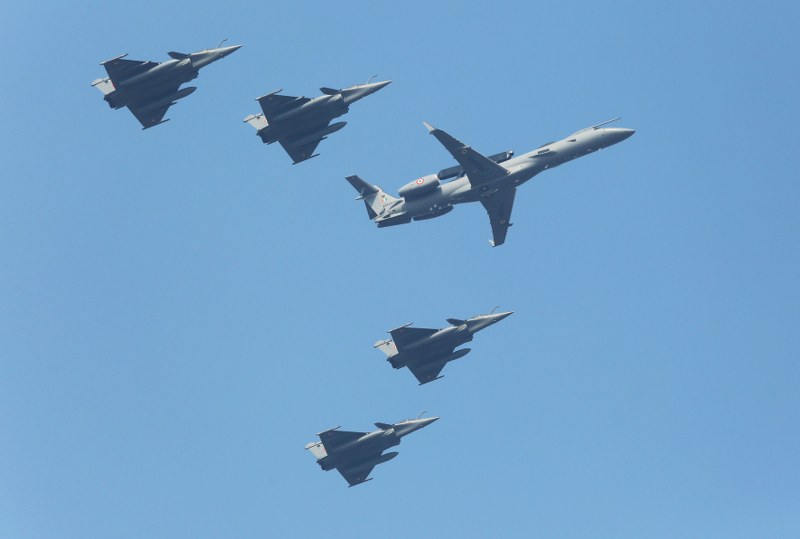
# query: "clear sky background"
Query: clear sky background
{"points": [[181, 309]]}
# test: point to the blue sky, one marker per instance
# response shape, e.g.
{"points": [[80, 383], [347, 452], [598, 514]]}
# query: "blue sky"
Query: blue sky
{"points": [[182, 309]]}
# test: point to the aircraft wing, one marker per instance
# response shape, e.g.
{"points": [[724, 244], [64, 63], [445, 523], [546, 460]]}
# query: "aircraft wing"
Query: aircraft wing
{"points": [[149, 117], [499, 206], [332, 439], [427, 372], [355, 476], [479, 168], [403, 336], [275, 104], [119, 69], [301, 152]]}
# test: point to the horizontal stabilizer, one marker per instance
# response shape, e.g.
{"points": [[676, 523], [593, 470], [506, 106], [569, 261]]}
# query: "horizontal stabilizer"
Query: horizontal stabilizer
{"points": [[382, 425], [329, 91], [177, 55]]}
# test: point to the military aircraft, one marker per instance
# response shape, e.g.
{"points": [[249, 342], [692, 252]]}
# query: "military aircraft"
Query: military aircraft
{"points": [[300, 123], [425, 351], [355, 454], [492, 180], [148, 89]]}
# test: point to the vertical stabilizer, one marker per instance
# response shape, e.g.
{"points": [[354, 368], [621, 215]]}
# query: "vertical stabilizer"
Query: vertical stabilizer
{"points": [[375, 199], [104, 85], [317, 449], [257, 120]]}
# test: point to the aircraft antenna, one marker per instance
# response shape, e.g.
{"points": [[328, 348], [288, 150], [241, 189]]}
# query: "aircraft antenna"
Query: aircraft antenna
{"points": [[221, 42], [423, 412], [370, 79], [495, 308]]}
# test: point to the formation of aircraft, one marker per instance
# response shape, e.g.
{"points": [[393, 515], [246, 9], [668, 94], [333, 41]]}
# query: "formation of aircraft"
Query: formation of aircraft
{"points": [[299, 124]]}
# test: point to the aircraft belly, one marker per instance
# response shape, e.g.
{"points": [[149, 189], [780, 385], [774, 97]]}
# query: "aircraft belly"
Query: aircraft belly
{"points": [[427, 203]]}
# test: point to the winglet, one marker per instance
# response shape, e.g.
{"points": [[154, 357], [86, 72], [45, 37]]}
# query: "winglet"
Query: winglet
{"points": [[429, 127]]}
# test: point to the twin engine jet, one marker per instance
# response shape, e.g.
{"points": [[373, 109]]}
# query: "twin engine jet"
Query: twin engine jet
{"points": [[355, 454], [299, 124], [148, 89], [425, 351], [492, 180]]}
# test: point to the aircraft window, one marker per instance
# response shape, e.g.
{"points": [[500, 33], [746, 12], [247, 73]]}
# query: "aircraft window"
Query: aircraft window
{"points": [[540, 152], [547, 144], [572, 140]]}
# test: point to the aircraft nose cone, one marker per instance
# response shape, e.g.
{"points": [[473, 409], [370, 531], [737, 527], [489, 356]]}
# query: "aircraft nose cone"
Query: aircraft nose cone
{"points": [[375, 86], [618, 134], [500, 316], [427, 421], [228, 50]]}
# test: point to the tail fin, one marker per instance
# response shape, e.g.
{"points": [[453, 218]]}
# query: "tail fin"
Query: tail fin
{"points": [[387, 347], [375, 199], [257, 120], [317, 449], [104, 85]]}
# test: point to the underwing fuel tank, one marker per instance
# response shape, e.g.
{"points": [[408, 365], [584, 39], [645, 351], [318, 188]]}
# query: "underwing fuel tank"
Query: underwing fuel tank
{"points": [[180, 94], [398, 363], [380, 460], [322, 133]]}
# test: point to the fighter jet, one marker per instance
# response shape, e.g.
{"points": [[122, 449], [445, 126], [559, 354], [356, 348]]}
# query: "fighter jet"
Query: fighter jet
{"points": [[355, 454], [300, 123], [148, 89], [492, 180], [426, 351]]}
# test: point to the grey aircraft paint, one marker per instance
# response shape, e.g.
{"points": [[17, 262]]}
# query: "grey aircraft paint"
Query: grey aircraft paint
{"points": [[492, 181], [425, 351], [355, 454], [299, 124], [148, 89]]}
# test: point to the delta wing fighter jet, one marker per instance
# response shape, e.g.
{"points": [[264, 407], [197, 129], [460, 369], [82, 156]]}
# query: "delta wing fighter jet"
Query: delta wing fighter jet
{"points": [[492, 181], [299, 124], [355, 454], [148, 89], [426, 351]]}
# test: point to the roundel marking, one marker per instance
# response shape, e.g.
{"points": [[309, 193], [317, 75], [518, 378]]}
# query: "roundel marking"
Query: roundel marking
{"points": [[420, 181], [464, 151]]}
